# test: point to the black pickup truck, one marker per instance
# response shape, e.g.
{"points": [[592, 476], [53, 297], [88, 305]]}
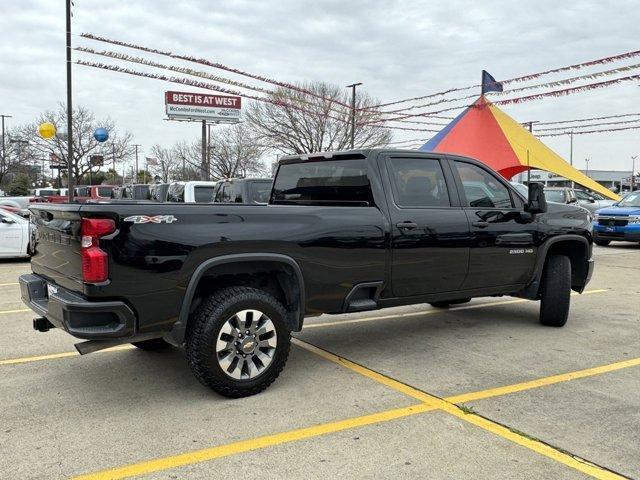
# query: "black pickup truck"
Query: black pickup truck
{"points": [[343, 232]]}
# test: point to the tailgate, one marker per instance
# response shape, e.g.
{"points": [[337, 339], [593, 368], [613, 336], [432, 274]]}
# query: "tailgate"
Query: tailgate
{"points": [[57, 244]]}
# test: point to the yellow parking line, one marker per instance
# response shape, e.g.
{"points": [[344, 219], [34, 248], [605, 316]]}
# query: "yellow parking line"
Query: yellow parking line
{"points": [[429, 403], [7, 284], [252, 444], [484, 423], [52, 356], [432, 311], [542, 382], [21, 310]]}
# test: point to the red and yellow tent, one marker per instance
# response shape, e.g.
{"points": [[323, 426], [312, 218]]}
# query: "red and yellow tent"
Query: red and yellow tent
{"points": [[485, 132]]}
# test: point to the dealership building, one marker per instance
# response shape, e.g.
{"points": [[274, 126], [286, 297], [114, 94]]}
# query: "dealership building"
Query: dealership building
{"points": [[612, 179]]}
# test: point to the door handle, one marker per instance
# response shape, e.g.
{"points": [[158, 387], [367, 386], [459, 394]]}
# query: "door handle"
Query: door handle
{"points": [[480, 224], [406, 225]]}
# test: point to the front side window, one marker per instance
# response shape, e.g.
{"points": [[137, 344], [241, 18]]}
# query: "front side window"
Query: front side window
{"points": [[482, 189], [330, 182], [418, 182], [556, 196]]}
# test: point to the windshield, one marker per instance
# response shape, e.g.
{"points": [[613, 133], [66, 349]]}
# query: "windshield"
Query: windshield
{"points": [[554, 196], [631, 200]]}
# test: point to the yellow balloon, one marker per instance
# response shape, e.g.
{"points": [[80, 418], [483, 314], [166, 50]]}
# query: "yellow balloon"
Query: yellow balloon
{"points": [[47, 130]]}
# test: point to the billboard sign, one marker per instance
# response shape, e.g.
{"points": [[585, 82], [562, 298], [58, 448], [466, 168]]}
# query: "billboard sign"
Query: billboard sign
{"points": [[202, 106]]}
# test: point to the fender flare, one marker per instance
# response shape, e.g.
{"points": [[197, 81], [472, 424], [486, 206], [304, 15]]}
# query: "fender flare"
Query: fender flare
{"points": [[178, 332], [531, 291]]}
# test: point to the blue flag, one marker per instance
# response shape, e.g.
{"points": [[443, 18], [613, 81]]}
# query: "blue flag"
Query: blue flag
{"points": [[489, 84]]}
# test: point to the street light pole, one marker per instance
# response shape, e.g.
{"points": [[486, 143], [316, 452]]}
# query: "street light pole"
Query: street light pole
{"points": [[4, 153], [633, 171], [135, 180], [353, 111], [587, 160], [69, 106]]}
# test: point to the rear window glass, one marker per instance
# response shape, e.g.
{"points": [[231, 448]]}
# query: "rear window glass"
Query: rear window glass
{"points": [[260, 191], [325, 182], [203, 194]]}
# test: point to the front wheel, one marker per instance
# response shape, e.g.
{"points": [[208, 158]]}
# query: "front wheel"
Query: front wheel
{"points": [[238, 341], [555, 291], [602, 243]]}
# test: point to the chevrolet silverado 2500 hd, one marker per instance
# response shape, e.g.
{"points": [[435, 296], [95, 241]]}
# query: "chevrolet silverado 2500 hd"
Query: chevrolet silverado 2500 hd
{"points": [[343, 232]]}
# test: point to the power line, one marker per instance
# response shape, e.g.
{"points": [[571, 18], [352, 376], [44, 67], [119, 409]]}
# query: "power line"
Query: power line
{"points": [[622, 115], [586, 125], [583, 132]]}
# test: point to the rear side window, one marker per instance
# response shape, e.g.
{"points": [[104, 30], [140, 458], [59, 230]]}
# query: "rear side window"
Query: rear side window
{"points": [[418, 182], [203, 194], [481, 188], [332, 182], [104, 192], [260, 191], [555, 196]]}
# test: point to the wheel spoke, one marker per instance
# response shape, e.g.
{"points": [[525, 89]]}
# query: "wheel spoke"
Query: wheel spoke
{"points": [[242, 364]]}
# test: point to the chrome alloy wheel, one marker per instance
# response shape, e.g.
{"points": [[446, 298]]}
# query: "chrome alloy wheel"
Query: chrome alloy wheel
{"points": [[246, 344]]}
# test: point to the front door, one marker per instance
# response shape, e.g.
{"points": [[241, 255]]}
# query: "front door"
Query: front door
{"points": [[502, 245], [430, 232]]}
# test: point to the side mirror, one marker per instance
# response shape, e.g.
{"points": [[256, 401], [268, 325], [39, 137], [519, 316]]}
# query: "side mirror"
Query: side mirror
{"points": [[573, 200], [8, 220], [592, 200], [537, 201], [615, 204]]}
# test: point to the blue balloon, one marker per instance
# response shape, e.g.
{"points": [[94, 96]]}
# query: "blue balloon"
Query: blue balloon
{"points": [[101, 134]]}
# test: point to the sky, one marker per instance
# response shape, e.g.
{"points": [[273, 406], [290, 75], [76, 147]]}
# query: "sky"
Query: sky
{"points": [[398, 49]]}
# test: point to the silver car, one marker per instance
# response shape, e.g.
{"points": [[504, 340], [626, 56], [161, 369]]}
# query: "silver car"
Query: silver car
{"points": [[590, 201]]}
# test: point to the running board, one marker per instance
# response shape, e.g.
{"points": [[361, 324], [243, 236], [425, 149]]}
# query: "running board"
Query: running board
{"points": [[91, 346]]}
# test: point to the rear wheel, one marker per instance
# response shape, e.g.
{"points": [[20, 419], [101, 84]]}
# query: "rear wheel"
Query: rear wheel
{"points": [[238, 341], [602, 243], [555, 291], [153, 345], [449, 303]]}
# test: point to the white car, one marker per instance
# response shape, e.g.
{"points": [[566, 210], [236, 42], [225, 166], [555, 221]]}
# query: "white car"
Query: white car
{"points": [[191, 192], [15, 234]]}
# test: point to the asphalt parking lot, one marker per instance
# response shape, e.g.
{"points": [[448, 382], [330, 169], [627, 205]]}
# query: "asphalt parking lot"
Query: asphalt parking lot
{"points": [[481, 390]]}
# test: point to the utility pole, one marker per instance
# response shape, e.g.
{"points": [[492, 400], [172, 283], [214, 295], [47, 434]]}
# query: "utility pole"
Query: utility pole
{"points": [[69, 106], [113, 153], [134, 181], [203, 167], [529, 125], [633, 171], [353, 111], [4, 153]]}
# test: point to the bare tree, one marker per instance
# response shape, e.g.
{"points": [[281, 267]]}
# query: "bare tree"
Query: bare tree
{"points": [[235, 152], [168, 164], [84, 144], [16, 155], [189, 157], [297, 122]]}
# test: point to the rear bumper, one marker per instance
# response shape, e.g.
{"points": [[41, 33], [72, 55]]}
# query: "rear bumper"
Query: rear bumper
{"points": [[74, 313]]}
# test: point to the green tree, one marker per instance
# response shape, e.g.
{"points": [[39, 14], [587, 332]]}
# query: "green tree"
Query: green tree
{"points": [[19, 186]]}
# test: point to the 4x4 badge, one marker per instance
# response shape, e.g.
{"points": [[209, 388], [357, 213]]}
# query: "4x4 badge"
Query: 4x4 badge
{"points": [[151, 219]]}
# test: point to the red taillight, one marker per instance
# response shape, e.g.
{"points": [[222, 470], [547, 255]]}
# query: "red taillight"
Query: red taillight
{"points": [[95, 262]]}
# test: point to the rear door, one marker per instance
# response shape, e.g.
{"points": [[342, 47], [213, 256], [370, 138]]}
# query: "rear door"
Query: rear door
{"points": [[430, 231], [502, 239]]}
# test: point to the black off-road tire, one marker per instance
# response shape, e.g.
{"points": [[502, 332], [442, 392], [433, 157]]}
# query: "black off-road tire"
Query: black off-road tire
{"points": [[153, 345], [602, 243], [555, 291], [449, 303], [204, 328]]}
